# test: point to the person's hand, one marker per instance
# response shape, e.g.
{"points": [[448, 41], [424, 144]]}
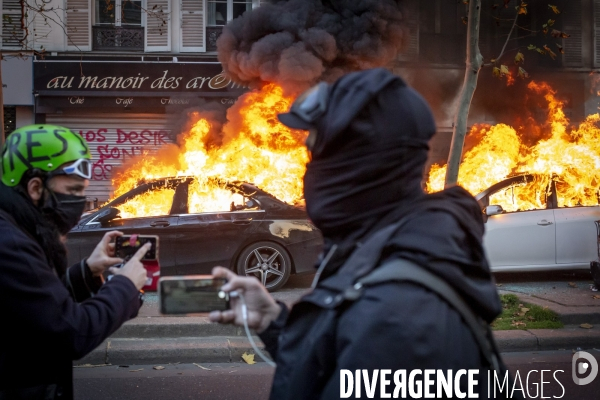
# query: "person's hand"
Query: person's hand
{"points": [[134, 269], [262, 308], [103, 255]]}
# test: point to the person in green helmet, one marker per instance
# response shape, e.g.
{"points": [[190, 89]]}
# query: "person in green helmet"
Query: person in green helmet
{"points": [[52, 314]]}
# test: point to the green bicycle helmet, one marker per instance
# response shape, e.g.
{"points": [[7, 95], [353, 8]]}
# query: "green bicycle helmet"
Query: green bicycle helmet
{"points": [[45, 147]]}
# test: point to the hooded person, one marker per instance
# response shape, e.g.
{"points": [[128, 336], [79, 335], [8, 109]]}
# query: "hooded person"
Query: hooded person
{"points": [[368, 143], [52, 314]]}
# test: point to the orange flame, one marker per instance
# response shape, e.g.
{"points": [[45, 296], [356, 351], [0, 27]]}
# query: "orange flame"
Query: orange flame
{"points": [[255, 147], [570, 154]]}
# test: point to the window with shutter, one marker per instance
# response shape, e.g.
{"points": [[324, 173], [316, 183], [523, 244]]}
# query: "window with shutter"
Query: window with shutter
{"points": [[12, 33], [78, 21], [442, 35], [46, 31], [411, 51], [192, 25], [596, 33], [572, 46], [158, 25]]}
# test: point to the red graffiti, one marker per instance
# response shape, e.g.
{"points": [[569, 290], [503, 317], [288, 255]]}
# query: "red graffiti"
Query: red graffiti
{"points": [[94, 136], [128, 144], [144, 137], [101, 171]]}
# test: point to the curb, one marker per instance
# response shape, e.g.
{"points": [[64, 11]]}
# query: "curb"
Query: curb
{"points": [[225, 349], [174, 327], [547, 339], [569, 315], [216, 349]]}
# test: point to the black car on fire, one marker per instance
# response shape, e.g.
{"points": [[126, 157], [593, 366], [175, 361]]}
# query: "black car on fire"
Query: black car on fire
{"points": [[259, 235]]}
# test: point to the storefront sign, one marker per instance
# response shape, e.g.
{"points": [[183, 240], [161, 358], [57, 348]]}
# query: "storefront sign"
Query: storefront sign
{"points": [[52, 78]]}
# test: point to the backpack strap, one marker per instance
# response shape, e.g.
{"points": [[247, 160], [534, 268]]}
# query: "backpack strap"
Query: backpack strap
{"points": [[401, 270]]}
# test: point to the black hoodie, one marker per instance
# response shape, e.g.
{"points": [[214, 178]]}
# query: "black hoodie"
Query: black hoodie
{"points": [[365, 174], [43, 327]]}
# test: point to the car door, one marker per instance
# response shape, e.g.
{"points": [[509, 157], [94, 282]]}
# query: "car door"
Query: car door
{"points": [[525, 238], [576, 237], [161, 224], [208, 239], [519, 239]]}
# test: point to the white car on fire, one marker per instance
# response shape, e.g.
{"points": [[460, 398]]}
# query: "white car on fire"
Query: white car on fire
{"points": [[532, 224]]}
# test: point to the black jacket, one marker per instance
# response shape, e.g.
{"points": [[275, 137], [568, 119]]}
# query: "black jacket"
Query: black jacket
{"points": [[395, 325], [43, 328]]}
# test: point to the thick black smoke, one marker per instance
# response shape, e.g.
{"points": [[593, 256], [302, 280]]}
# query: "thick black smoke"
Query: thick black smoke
{"points": [[297, 43]]}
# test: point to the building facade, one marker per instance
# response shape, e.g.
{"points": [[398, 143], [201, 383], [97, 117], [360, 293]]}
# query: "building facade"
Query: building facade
{"points": [[118, 71]]}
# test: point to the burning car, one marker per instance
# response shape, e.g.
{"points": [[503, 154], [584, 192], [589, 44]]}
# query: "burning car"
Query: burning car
{"points": [[532, 224], [236, 225]]}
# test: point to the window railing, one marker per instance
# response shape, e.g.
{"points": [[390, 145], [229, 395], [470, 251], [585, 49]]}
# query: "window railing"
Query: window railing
{"points": [[212, 34], [117, 38]]}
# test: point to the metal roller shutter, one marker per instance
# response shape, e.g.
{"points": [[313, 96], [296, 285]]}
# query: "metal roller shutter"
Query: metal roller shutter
{"points": [[114, 138]]}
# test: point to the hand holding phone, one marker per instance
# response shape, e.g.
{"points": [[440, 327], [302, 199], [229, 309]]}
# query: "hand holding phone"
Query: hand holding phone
{"points": [[127, 245], [262, 309], [134, 269], [192, 294]]}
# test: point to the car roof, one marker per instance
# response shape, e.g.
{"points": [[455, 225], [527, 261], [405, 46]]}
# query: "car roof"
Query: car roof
{"points": [[243, 188], [523, 178]]}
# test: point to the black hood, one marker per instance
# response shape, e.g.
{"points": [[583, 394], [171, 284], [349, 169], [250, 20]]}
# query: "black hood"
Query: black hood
{"points": [[366, 173], [445, 235], [369, 153]]}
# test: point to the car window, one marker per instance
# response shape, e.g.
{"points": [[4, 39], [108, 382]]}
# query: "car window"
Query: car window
{"points": [[523, 196], [576, 195], [203, 197], [152, 203]]}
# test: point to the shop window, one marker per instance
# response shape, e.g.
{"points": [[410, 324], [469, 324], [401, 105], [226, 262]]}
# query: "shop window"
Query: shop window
{"points": [[219, 12], [118, 25], [10, 119]]}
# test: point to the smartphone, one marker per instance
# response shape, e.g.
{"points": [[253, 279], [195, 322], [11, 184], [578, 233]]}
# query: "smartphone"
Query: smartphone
{"points": [[127, 245], [192, 294]]}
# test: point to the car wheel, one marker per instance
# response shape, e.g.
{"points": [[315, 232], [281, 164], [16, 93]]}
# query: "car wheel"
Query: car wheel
{"points": [[267, 261]]}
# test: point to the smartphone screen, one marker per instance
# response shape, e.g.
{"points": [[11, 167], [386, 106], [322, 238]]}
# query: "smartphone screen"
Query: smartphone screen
{"points": [[127, 245], [191, 294]]}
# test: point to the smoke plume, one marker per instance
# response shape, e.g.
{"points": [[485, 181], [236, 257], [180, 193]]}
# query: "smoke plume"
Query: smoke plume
{"points": [[296, 43]]}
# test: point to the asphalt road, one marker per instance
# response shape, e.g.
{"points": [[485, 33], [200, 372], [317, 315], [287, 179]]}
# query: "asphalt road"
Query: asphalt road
{"points": [[252, 382]]}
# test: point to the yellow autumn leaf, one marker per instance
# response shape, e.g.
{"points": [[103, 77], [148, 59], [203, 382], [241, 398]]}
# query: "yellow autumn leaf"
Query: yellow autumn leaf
{"points": [[249, 358], [524, 309], [554, 8], [522, 73], [587, 326], [496, 71], [504, 70], [522, 9], [519, 58]]}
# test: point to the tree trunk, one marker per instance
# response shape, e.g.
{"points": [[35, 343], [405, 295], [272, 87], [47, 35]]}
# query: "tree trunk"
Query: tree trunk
{"points": [[474, 64], [2, 106]]}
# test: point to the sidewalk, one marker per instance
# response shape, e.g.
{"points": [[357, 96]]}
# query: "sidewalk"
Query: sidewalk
{"points": [[155, 339]]}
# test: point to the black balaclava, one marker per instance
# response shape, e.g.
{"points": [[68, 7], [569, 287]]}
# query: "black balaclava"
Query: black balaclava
{"points": [[369, 154], [63, 210]]}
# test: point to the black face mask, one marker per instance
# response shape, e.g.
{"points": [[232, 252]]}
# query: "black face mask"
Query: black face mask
{"points": [[63, 210]]}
